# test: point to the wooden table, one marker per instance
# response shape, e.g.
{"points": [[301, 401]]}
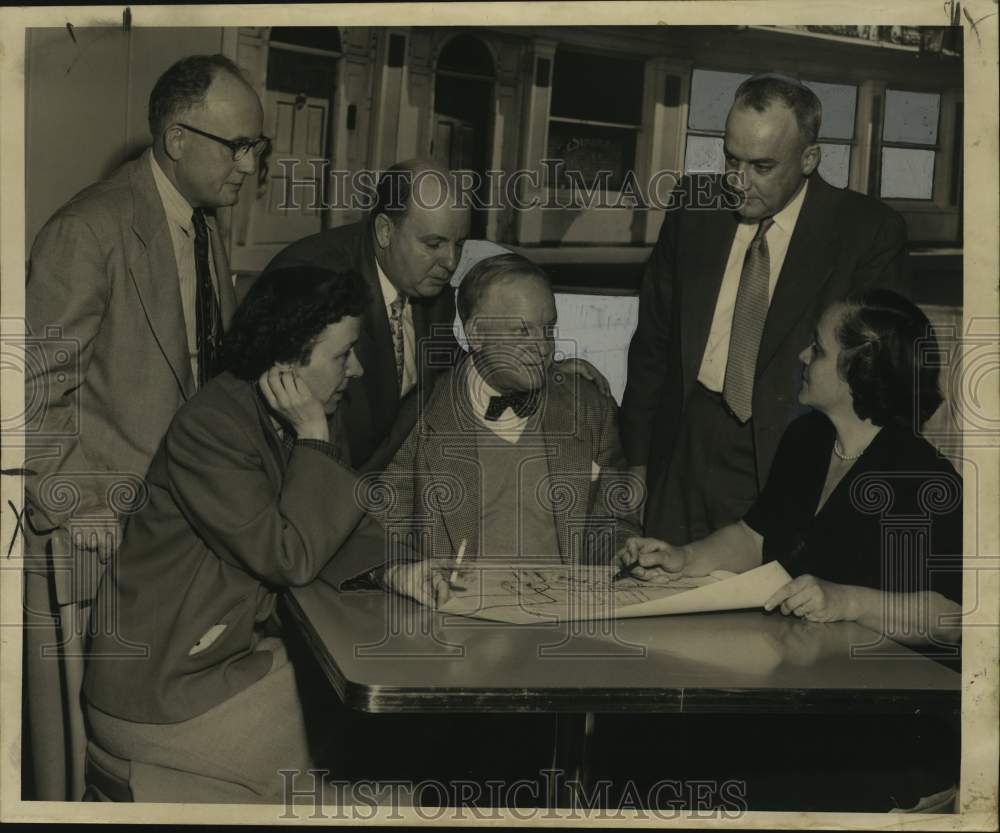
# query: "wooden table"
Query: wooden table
{"points": [[385, 654]]}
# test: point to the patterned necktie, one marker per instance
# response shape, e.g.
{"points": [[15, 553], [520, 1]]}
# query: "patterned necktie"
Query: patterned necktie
{"points": [[523, 404], [748, 325], [208, 316], [396, 325]]}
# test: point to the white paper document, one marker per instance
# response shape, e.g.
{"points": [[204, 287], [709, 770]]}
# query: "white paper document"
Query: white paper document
{"points": [[529, 595]]}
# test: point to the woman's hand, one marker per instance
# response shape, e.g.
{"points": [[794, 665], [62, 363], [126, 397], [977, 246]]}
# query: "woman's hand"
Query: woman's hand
{"points": [[291, 398], [815, 599], [644, 555], [420, 581]]}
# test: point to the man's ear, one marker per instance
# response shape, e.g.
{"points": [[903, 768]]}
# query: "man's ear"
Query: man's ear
{"points": [[173, 141], [811, 156], [383, 230]]}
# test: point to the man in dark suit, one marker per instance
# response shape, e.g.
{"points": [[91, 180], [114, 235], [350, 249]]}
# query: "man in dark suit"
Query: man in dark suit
{"points": [[742, 269], [128, 293], [406, 250]]}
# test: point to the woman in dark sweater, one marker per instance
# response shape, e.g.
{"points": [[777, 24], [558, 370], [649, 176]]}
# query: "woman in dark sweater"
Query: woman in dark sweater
{"points": [[858, 507]]}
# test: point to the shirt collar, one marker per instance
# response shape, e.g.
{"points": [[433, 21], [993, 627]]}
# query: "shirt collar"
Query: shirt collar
{"points": [[389, 292], [480, 391], [786, 218], [177, 208]]}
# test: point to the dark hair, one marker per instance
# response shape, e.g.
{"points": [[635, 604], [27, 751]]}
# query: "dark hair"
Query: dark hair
{"points": [[880, 333], [183, 86], [760, 91], [491, 271], [284, 313]]}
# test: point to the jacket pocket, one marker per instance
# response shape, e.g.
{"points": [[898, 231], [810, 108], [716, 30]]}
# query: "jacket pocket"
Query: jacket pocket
{"points": [[211, 636]]}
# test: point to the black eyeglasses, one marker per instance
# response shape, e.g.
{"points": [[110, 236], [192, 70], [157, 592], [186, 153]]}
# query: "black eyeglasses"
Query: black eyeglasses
{"points": [[256, 146]]}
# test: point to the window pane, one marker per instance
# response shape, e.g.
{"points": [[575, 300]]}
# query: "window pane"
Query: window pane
{"points": [[704, 154], [596, 87], [587, 150], [908, 173], [711, 97], [838, 102], [911, 117], [835, 165]]}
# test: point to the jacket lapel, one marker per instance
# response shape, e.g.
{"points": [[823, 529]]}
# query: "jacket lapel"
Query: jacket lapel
{"points": [[450, 446], [227, 294], [374, 348], [808, 265], [153, 268], [568, 458]]}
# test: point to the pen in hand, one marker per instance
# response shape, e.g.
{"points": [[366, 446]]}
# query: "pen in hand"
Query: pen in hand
{"points": [[458, 563]]}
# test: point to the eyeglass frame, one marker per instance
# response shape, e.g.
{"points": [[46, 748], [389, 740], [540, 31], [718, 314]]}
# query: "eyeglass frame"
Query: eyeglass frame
{"points": [[246, 146]]}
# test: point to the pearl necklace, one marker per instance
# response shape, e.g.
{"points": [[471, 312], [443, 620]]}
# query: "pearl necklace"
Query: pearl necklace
{"points": [[846, 457]]}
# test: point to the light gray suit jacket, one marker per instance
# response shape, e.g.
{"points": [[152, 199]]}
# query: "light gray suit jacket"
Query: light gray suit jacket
{"points": [[107, 362]]}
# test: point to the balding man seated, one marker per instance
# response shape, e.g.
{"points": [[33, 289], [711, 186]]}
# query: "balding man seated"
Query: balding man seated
{"points": [[509, 458]]}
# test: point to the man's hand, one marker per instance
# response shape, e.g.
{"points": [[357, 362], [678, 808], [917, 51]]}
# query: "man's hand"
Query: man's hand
{"points": [[291, 398], [814, 599], [644, 555], [420, 581], [585, 370]]}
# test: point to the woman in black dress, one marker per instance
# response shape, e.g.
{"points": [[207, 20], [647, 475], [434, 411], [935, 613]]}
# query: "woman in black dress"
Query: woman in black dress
{"points": [[858, 507]]}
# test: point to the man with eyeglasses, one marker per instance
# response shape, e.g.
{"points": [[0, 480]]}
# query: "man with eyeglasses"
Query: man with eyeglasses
{"points": [[128, 295]]}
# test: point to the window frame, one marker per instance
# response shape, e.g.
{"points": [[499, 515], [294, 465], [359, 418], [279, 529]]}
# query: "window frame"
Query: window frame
{"points": [[636, 129], [934, 200]]}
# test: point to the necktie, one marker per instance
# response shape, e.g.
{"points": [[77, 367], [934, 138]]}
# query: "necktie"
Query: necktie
{"points": [[396, 325], [523, 404], [208, 316], [748, 325]]}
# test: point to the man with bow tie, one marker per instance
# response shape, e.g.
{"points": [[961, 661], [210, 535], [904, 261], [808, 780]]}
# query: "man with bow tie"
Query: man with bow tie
{"points": [[510, 456]]}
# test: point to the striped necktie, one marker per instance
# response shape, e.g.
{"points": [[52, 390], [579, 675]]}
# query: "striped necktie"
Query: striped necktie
{"points": [[396, 325], [208, 315], [748, 325]]}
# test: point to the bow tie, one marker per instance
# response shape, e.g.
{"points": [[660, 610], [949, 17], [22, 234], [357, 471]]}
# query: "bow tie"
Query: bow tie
{"points": [[523, 404]]}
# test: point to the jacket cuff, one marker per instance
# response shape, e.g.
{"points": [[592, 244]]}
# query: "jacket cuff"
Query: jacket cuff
{"points": [[323, 446]]}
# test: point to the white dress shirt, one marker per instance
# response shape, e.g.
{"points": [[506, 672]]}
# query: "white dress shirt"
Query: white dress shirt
{"points": [[389, 294], [712, 373], [509, 426], [179, 211]]}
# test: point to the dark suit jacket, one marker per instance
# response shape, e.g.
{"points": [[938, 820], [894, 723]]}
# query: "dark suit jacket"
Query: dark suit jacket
{"points": [[432, 487], [377, 420], [229, 522], [110, 364], [843, 241]]}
